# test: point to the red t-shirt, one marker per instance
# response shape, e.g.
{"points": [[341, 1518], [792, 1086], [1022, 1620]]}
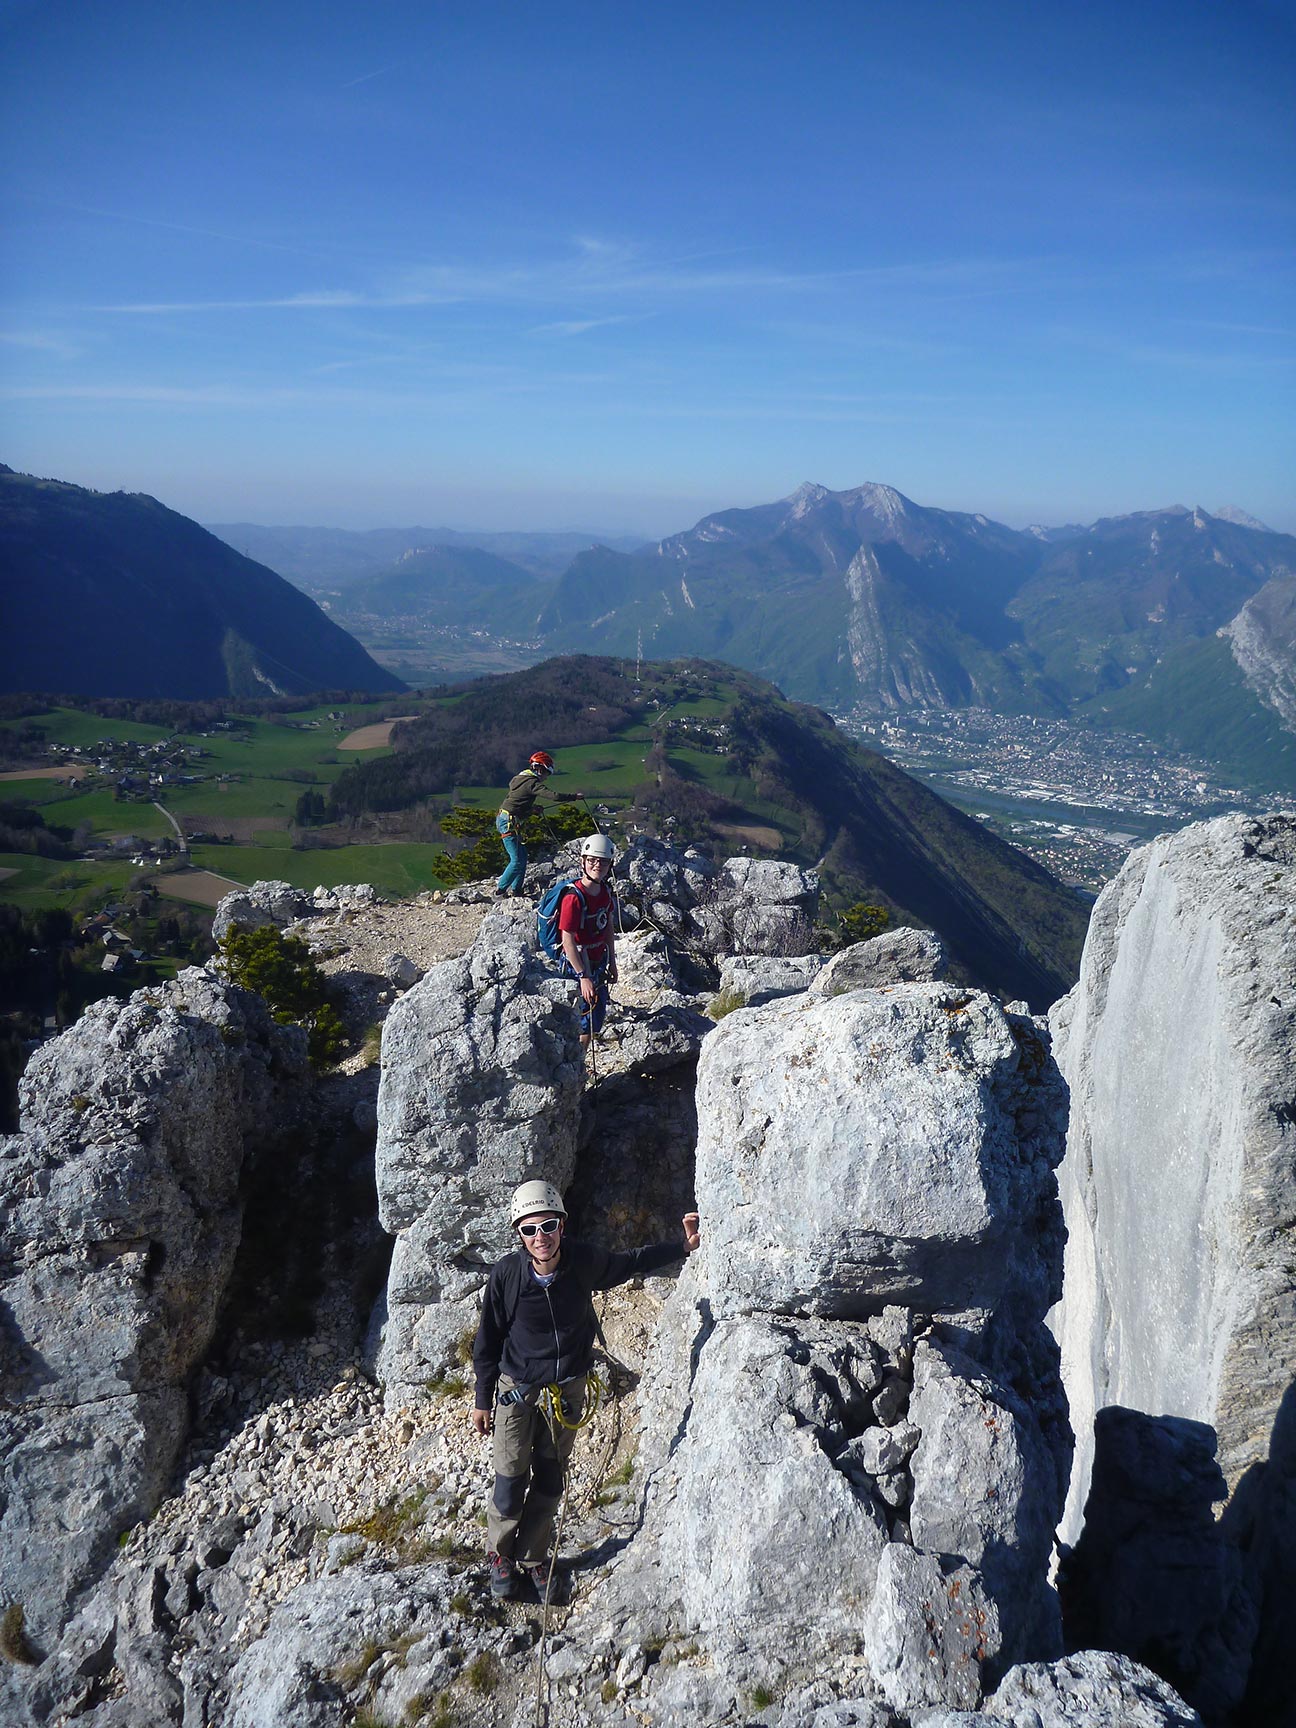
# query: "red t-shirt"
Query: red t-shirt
{"points": [[590, 929]]}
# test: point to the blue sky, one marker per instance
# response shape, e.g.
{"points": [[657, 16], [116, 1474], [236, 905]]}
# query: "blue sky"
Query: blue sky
{"points": [[548, 264]]}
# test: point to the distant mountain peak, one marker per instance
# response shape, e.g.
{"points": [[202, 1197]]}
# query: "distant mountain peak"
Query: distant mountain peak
{"points": [[807, 494], [884, 502], [1241, 519]]}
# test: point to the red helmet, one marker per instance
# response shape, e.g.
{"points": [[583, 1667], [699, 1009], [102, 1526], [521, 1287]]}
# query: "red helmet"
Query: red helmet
{"points": [[542, 759]]}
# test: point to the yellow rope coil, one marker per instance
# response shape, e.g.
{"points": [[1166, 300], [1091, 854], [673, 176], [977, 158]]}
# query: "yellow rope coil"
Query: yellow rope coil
{"points": [[593, 1398]]}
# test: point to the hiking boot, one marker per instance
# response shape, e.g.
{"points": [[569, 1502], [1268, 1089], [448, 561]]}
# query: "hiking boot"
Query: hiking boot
{"points": [[502, 1576], [559, 1587]]}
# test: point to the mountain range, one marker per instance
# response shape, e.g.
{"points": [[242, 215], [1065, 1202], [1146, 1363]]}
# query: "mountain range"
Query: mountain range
{"points": [[112, 594], [1173, 622]]}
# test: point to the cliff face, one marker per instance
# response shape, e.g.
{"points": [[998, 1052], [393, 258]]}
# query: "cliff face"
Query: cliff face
{"points": [[1179, 1183]]}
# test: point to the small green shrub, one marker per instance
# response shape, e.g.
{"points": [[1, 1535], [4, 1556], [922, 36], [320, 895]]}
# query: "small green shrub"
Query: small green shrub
{"points": [[350, 1673], [485, 856], [761, 1697], [282, 970], [860, 923], [725, 1003], [624, 1472], [446, 1386]]}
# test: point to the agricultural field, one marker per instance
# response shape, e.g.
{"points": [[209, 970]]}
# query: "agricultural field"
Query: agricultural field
{"points": [[235, 789], [245, 781]]}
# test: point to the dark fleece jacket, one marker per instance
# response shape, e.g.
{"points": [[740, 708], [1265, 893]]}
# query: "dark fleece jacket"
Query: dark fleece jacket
{"points": [[549, 1333]]}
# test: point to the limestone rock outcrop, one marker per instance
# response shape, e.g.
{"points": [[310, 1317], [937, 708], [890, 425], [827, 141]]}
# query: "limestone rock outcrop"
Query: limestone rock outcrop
{"points": [[280, 904], [119, 1220], [758, 979], [879, 1147], [481, 1086], [1179, 1185], [748, 906], [265, 903], [857, 1359], [903, 956], [757, 906]]}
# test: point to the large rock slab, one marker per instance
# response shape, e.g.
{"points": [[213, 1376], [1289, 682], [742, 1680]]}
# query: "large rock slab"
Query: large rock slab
{"points": [[879, 1147], [752, 1518], [1092, 1689], [481, 1086], [377, 1639], [1179, 1185], [928, 1631], [1179, 1044], [276, 904], [119, 1220], [760, 978]]}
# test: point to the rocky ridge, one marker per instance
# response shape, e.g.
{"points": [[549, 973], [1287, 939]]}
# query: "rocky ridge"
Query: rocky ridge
{"points": [[316, 1555]]}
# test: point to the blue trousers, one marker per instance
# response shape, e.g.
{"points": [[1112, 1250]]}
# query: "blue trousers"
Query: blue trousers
{"points": [[515, 870]]}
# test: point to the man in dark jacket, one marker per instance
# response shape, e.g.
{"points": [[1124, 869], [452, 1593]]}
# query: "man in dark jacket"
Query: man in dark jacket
{"points": [[537, 1331]]}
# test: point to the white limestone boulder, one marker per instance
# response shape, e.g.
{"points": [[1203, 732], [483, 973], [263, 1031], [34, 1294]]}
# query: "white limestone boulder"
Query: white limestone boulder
{"points": [[760, 978], [875, 1148], [265, 903], [1179, 1045], [928, 1631], [986, 1490]]}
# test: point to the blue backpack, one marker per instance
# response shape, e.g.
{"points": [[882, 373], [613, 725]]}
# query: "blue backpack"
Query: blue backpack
{"points": [[547, 932]]}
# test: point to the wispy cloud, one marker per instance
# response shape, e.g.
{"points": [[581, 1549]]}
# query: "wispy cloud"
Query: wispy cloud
{"points": [[606, 269], [36, 341], [579, 326], [135, 220], [472, 388], [366, 76]]}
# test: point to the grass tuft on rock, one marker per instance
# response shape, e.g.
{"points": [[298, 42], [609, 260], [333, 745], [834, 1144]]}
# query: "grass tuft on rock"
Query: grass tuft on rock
{"points": [[15, 1645]]}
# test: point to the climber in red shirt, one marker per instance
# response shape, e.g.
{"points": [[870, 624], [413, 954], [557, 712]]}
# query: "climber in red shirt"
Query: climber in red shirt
{"points": [[586, 921]]}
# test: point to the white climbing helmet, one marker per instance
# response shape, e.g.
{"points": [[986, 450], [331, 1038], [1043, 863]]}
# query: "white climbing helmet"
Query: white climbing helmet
{"points": [[535, 1197], [597, 846]]}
